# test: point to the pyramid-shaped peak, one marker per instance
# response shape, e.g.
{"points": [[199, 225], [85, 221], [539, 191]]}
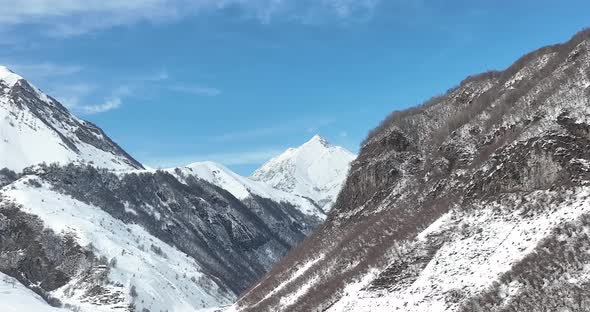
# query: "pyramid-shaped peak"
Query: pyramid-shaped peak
{"points": [[8, 76], [318, 139]]}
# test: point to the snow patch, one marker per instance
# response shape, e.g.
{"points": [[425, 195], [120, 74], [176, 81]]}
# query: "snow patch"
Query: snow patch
{"points": [[14, 297], [8, 76]]}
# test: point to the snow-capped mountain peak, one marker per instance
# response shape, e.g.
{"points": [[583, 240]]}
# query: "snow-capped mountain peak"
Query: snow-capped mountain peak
{"points": [[36, 128], [221, 176], [8, 76], [314, 170], [243, 187], [318, 139]]}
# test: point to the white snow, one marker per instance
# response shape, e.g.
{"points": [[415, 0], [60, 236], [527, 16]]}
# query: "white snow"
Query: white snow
{"points": [[471, 262], [293, 277], [163, 281], [316, 170], [529, 69], [242, 187], [9, 77], [435, 226], [307, 177], [291, 299], [304, 268], [14, 297], [26, 140], [352, 289]]}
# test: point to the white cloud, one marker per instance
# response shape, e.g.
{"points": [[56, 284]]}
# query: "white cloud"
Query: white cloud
{"points": [[70, 17], [114, 101], [108, 105]]}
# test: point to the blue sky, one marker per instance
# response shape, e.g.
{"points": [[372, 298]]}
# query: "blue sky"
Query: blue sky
{"points": [[238, 81]]}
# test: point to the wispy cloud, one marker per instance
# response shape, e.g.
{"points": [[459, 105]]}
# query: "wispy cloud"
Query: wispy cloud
{"points": [[161, 75], [196, 90], [71, 95], [108, 105], [112, 102], [229, 159], [70, 18], [45, 70], [58, 80], [64, 82]]}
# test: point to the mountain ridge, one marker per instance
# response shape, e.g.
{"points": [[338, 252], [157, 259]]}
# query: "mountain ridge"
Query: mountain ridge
{"points": [[459, 204], [243, 187]]}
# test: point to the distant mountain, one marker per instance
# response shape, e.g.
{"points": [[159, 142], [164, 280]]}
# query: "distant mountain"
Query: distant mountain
{"points": [[35, 128], [476, 200], [315, 170], [195, 242], [84, 226], [244, 188]]}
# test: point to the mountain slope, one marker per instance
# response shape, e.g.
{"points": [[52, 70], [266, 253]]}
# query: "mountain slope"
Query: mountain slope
{"points": [[14, 297], [31, 121], [83, 225], [137, 260], [476, 200], [178, 242], [315, 170], [243, 188]]}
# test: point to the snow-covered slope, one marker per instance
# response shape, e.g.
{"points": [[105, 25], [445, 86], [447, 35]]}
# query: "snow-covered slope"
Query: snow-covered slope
{"points": [[243, 187], [314, 170], [35, 128], [113, 236], [162, 229], [14, 297], [477, 200], [142, 270], [493, 238]]}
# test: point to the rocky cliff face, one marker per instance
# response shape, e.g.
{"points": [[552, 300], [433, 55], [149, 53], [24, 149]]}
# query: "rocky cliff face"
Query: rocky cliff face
{"points": [[471, 201]]}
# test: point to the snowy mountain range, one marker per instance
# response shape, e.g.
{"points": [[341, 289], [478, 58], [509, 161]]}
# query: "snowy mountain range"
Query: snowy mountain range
{"points": [[315, 170], [84, 226], [309, 176], [476, 200], [243, 187]]}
